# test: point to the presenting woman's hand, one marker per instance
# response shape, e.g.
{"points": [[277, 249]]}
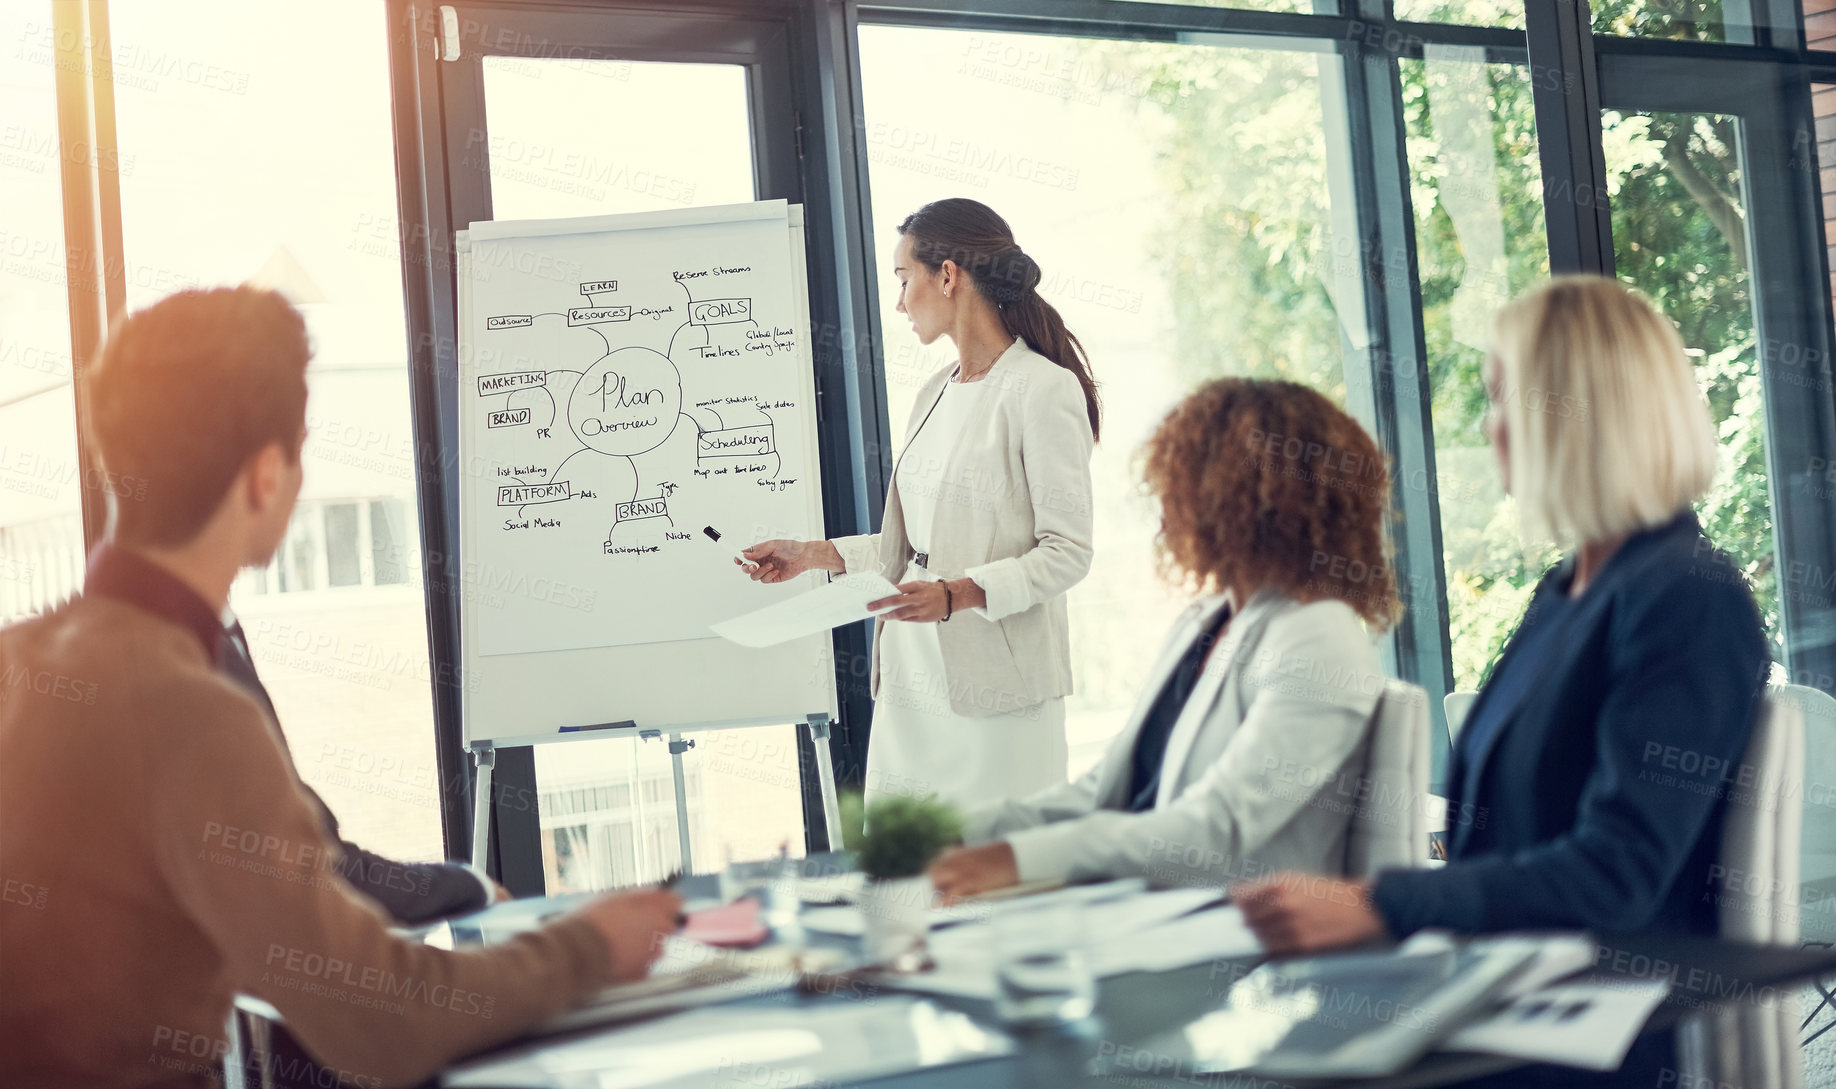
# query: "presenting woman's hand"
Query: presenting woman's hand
{"points": [[780, 560], [924, 602]]}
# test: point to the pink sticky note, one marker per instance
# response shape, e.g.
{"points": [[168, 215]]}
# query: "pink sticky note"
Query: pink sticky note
{"points": [[736, 924]]}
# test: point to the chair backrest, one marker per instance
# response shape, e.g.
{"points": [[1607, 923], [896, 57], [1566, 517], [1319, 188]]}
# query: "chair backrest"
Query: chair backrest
{"points": [[1761, 834], [1456, 705], [1757, 897], [1389, 826], [1817, 870]]}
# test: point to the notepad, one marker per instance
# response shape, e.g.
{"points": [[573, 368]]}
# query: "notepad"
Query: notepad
{"points": [[734, 925], [842, 601]]}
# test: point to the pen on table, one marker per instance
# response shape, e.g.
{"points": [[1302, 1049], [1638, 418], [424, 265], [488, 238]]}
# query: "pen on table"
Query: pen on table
{"points": [[714, 535], [670, 883]]}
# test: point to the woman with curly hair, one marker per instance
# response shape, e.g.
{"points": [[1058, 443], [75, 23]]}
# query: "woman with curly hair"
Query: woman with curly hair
{"points": [[1242, 756]]}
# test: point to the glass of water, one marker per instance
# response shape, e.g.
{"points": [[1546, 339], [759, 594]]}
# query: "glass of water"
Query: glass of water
{"points": [[1042, 973], [773, 882]]}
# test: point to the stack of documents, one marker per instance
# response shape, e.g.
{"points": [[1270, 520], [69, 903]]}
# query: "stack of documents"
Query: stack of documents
{"points": [[1590, 1024], [1134, 932], [690, 974]]}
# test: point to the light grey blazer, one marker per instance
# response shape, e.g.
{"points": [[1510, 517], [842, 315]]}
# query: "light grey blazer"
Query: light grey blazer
{"points": [[1262, 771], [1014, 515]]}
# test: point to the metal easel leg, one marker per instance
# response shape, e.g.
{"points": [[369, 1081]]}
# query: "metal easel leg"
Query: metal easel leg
{"points": [[484, 758], [825, 775], [677, 747]]}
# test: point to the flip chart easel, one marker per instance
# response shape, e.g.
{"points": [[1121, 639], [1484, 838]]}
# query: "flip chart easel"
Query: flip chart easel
{"points": [[624, 381]]}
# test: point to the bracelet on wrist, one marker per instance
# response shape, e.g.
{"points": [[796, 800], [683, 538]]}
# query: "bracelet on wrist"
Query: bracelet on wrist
{"points": [[949, 603]]}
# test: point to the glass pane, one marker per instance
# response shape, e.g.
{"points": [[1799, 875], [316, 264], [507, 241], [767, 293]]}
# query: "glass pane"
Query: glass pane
{"points": [[1700, 20], [299, 553], [684, 138], [389, 561], [1815, 483], [41, 500], [1476, 186], [1508, 13], [1184, 233], [342, 567], [1679, 235], [1327, 6], [302, 200]]}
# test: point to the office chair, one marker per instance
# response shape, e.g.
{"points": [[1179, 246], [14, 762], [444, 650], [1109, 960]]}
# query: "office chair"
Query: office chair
{"points": [[1389, 827]]}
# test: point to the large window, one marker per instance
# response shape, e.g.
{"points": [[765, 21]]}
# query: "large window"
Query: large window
{"points": [[302, 200], [1477, 192], [1680, 236], [1177, 200], [1258, 187], [41, 479], [607, 808]]}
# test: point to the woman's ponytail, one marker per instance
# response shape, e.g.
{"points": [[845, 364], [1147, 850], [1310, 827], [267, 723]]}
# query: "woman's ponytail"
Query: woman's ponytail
{"points": [[971, 234]]}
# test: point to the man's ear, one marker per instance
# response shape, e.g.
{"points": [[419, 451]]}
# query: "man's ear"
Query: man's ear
{"points": [[265, 473]]}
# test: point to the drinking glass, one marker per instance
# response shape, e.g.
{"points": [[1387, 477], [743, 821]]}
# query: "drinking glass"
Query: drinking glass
{"points": [[1042, 972]]}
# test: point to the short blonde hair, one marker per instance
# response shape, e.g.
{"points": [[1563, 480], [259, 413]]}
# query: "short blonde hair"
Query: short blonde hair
{"points": [[1607, 431]]}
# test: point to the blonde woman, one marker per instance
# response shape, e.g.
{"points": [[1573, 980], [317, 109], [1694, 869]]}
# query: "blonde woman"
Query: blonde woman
{"points": [[1643, 641]]}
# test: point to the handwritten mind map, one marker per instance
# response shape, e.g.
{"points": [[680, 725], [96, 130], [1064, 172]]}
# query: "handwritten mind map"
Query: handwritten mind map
{"points": [[660, 386]]}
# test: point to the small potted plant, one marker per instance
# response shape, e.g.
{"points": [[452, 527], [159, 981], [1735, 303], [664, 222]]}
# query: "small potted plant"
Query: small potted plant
{"points": [[893, 840]]}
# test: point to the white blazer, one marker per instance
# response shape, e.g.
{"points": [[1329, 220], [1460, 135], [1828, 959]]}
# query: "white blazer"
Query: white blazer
{"points": [[1261, 770], [1014, 515]]}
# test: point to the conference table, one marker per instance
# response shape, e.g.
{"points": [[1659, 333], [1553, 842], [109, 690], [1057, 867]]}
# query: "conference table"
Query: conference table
{"points": [[1114, 1046]]}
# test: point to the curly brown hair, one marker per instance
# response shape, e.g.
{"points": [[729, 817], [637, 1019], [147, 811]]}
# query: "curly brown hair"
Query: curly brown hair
{"points": [[1267, 484]]}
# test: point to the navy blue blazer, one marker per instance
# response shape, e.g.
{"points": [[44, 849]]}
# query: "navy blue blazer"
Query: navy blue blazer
{"points": [[1598, 802]]}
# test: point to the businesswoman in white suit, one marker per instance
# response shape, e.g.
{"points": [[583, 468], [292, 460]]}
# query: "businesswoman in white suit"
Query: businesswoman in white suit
{"points": [[1246, 748], [987, 525]]}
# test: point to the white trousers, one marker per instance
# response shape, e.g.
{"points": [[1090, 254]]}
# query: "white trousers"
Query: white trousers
{"points": [[919, 746]]}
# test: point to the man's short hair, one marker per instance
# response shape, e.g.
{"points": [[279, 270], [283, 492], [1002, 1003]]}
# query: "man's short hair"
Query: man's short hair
{"points": [[186, 391]]}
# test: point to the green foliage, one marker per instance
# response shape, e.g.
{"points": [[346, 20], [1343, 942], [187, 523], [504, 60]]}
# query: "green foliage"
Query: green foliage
{"points": [[1477, 191], [1249, 217], [1679, 235], [1693, 20], [1258, 267], [898, 836]]}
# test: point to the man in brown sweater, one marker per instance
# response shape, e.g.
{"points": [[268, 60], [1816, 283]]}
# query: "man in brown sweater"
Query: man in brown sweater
{"points": [[157, 852]]}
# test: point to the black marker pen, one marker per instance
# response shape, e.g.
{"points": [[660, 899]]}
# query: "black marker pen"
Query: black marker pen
{"points": [[714, 535]]}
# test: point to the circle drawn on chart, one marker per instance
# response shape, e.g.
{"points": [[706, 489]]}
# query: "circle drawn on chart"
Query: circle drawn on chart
{"points": [[627, 402]]}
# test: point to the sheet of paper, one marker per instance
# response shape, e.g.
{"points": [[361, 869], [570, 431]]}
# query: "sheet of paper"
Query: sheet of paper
{"points": [[965, 956], [1558, 956], [810, 1045], [835, 888], [843, 601], [1114, 907], [1590, 1025], [1220, 934], [688, 974]]}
